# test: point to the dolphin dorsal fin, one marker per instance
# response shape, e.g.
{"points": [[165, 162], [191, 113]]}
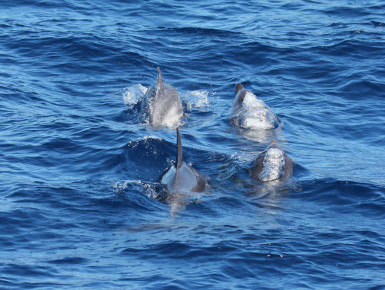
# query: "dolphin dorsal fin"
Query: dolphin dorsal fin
{"points": [[238, 87], [159, 82], [179, 156]]}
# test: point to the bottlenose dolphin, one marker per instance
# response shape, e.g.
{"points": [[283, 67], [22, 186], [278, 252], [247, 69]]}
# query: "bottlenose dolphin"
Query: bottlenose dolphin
{"points": [[251, 113], [272, 165], [161, 104], [182, 181], [181, 177]]}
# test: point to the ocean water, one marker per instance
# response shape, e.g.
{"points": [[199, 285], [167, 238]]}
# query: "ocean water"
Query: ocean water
{"points": [[80, 171]]}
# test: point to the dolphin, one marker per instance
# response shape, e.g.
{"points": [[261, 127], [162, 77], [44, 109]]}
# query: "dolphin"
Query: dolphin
{"points": [[182, 181], [181, 177], [272, 165], [161, 104], [251, 113]]}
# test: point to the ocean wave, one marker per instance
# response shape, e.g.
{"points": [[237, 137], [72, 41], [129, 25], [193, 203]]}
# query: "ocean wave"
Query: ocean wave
{"points": [[343, 196]]}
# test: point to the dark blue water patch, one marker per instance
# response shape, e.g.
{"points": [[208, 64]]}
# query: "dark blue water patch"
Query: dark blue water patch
{"points": [[40, 4], [359, 87], [147, 155], [377, 23], [130, 114], [177, 251], [345, 196], [70, 214], [58, 54], [68, 260], [29, 271], [347, 11], [354, 49], [211, 33]]}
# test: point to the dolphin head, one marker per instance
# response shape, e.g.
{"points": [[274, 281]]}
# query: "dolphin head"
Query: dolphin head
{"points": [[272, 165]]}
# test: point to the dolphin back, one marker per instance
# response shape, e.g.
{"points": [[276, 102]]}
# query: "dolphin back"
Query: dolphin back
{"points": [[251, 113], [166, 106], [161, 104]]}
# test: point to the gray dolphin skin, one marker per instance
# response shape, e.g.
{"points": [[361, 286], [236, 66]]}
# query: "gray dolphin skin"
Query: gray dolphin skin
{"points": [[181, 178], [182, 181], [161, 104], [251, 113], [272, 165]]}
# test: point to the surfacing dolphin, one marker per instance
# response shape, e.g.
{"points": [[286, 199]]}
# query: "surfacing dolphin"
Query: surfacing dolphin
{"points": [[182, 181], [161, 104], [272, 165], [251, 113]]}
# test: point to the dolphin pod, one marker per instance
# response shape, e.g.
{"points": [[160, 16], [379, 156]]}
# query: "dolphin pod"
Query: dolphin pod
{"points": [[162, 107]]}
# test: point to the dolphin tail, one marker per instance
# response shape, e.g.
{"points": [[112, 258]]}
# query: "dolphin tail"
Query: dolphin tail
{"points": [[179, 156], [159, 82], [238, 87]]}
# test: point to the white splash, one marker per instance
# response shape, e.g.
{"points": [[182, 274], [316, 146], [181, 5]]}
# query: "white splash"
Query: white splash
{"points": [[196, 99], [132, 94], [202, 100], [120, 187]]}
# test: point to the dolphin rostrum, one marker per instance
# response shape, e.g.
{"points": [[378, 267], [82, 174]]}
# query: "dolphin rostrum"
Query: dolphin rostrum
{"points": [[161, 104], [251, 113], [272, 165]]}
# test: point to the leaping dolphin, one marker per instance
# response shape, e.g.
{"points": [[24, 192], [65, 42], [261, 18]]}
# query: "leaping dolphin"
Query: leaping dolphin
{"points": [[272, 165], [182, 181], [251, 113], [161, 104]]}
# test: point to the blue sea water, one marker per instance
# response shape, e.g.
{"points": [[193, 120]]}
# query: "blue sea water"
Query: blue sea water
{"points": [[80, 172]]}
